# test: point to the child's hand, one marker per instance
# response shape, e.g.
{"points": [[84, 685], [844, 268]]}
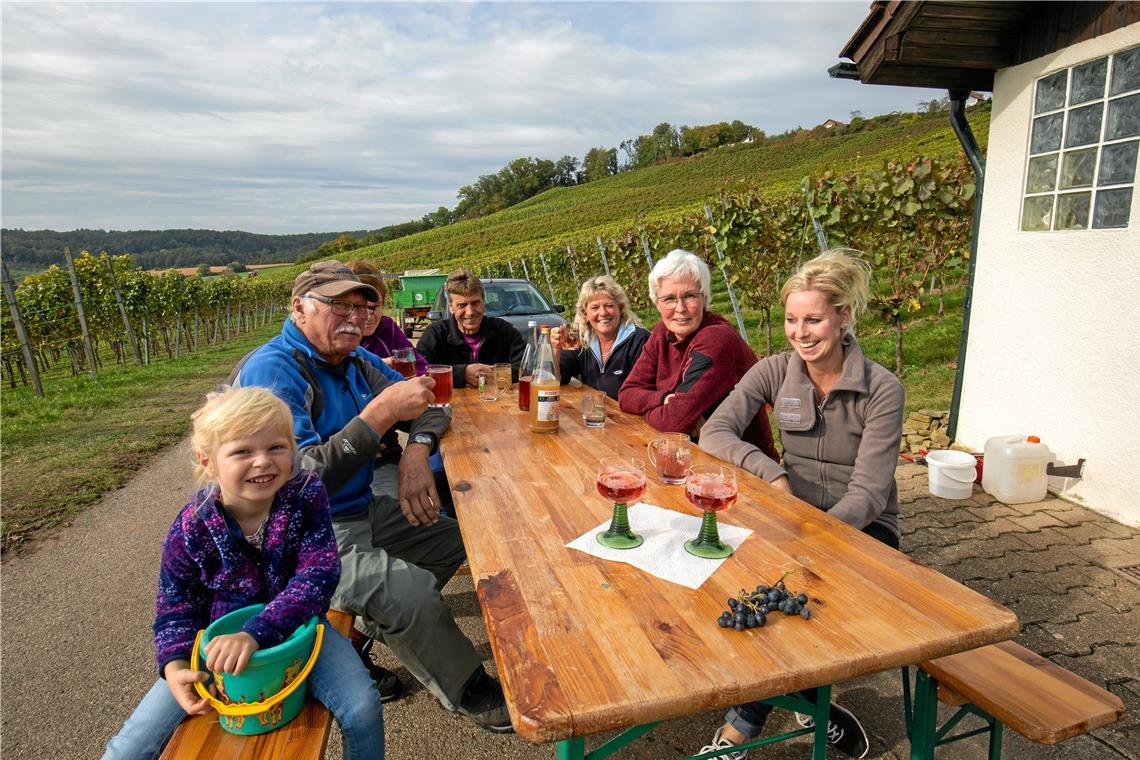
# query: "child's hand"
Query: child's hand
{"points": [[230, 653], [180, 680]]}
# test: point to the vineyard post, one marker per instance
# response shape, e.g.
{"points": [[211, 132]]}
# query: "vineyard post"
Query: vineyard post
{"points": [[724, 273], [526, 272], [88, 350], [546, 270], [573, 269], [645, 247], [146, 342], [602, 250], [21, 333], [511, 264], [123, 314], [820, 235], [178, 333]]}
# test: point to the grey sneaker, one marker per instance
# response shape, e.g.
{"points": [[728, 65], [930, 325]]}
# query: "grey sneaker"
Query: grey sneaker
{"points": [[483, 703], [720, 742], [844, 732]]}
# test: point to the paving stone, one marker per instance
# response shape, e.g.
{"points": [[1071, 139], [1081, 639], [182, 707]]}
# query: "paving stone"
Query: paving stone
{"points": [[1096, 629], [1070, 513], [994, 510], [1091, 531], [1000, 545], [1037, 520], [1072, 578], [1120, 529], [1035, 637], [1109, 667], [1106, 552], [1046, 538], [1038, 608]]}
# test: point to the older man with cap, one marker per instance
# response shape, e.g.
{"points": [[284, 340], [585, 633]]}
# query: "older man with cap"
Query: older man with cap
{"points": [[396, 551]]}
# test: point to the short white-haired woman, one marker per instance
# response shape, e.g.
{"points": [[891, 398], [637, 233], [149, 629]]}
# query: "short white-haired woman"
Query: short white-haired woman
{"points": [[693, 357], [611, 337], [840, 419]]}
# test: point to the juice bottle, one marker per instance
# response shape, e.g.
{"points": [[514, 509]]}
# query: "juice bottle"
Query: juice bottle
{"points": [[526, 368], [544, 388]]}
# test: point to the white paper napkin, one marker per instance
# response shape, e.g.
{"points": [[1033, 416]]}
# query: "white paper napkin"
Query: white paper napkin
{"points": [[663, 553]]}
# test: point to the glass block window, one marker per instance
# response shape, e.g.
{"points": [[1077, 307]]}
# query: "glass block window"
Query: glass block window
{"points": [[1083, 145]]}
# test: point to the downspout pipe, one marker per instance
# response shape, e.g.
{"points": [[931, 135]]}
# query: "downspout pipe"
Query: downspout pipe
{"points": [[974, 154]]}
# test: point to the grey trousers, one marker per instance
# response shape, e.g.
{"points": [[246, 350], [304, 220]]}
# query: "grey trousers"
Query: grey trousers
{"points": [[391, 575]]}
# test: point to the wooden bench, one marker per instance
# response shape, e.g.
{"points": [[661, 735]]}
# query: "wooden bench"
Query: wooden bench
{"points": [[306, 736], [1005, 685]]}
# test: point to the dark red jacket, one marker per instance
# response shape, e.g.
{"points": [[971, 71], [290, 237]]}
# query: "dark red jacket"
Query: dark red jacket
{"points": [[700, 372]]}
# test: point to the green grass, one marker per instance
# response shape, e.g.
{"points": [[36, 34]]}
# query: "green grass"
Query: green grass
{"points": [[91, 434]]}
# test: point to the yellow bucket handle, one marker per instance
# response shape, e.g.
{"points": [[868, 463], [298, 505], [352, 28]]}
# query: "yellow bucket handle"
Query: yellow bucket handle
{"points": [[254, 708]]}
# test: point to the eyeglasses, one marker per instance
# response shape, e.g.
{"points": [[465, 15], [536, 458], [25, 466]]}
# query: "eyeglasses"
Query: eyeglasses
{"points": [[670, 302], [344, 308]]}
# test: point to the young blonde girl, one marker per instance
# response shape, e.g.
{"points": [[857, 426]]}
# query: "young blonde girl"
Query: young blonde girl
{"points": [[258, 531]]}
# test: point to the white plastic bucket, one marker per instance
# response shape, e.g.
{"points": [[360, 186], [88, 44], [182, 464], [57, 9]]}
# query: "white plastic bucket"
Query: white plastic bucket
{"points": [[951, 473]]}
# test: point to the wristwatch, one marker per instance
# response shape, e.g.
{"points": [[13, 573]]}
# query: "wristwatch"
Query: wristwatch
{"points": [[427, 439]]}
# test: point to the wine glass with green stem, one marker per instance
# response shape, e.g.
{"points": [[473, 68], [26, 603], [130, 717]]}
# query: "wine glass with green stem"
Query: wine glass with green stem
{"points": [[622, 481]]}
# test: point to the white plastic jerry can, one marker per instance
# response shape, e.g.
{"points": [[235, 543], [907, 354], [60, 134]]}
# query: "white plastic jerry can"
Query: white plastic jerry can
{"points": [[1013, 470]]}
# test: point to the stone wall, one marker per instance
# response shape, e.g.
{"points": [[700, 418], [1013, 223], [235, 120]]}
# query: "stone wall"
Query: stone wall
{"points": [[924, 429]]}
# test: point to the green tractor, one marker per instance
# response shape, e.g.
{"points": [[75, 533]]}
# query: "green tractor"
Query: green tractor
{"points": [[418, 288]]}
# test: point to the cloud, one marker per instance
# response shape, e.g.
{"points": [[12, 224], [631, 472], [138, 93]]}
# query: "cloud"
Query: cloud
{"points": [[300, 117]]}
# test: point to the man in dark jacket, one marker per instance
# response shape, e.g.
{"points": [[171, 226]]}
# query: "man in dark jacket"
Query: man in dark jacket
{"points": [[471, 342], [396, 551]]}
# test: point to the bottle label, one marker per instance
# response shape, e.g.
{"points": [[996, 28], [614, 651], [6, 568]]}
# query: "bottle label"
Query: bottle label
{"points": [[547, 405]]}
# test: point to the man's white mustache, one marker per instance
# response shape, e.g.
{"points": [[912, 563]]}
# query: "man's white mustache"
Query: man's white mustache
{"points": [[348, 329]]}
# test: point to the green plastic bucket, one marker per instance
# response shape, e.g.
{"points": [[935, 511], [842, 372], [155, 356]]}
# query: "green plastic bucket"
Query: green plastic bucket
{"points": [[270, 691]]}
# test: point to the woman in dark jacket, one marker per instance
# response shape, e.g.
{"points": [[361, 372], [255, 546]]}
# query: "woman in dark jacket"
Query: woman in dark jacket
{"points": [[611, 337], [840, 419]]}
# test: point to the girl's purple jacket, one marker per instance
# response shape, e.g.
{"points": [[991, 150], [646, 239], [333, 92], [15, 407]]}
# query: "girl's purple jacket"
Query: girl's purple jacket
{"points": [[209, 569]]}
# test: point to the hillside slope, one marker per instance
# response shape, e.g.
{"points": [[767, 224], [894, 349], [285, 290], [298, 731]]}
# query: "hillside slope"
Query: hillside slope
{"points": [[577, 215]]}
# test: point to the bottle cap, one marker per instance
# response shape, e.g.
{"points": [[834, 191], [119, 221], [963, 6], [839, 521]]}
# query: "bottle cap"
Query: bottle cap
{"points": [[532, 323]]}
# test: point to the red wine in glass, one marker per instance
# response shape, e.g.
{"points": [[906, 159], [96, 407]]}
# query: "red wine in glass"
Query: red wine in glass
{"points": [[621, 486], [620, 480], [710, 488], [711, 496]]}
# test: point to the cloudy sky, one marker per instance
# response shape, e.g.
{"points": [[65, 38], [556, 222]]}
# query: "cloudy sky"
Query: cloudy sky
{"points": [[296, 117]]}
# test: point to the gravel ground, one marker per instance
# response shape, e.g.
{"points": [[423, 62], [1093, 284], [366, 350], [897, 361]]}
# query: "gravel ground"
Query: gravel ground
{"points": [[77, 607]]}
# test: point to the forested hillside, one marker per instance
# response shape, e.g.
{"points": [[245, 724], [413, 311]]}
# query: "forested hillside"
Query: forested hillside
{"points": [[158, 249]]}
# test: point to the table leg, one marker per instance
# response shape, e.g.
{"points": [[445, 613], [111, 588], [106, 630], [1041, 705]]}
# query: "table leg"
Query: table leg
{"points": [[571, 749], [925, 723], [821, 714]]}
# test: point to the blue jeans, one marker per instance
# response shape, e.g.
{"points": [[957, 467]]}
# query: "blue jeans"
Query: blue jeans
{"points": [[338, 680]]}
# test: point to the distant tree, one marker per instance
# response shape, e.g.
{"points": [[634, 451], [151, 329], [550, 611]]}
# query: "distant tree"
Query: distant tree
{"points": [[599, 163], [235, 267], [934, 105], [441, 217], [203, 270], [566, 171]]}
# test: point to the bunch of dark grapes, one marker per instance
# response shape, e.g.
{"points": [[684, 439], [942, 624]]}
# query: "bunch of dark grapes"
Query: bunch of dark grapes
{"points": [[751, 608]]}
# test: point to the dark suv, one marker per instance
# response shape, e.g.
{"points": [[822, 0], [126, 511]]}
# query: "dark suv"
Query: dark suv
{"points": [[516, 301]]}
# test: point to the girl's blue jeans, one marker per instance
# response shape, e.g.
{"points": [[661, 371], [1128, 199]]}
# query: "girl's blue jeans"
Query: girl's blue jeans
{"points": [[338, 680]]}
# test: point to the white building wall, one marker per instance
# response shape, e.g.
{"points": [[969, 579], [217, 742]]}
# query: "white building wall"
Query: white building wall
{"points": [[1054, 345]]}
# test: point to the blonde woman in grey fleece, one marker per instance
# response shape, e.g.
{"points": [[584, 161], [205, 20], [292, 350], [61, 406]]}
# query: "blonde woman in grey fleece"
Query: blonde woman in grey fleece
{"points": [[840, 418]]}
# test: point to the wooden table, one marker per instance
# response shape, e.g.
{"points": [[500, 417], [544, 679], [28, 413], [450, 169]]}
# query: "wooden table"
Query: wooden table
{"points": [[584, 645]]}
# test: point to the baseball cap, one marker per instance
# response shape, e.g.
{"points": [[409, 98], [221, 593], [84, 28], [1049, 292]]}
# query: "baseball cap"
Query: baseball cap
{"points": [[331, 279]]}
